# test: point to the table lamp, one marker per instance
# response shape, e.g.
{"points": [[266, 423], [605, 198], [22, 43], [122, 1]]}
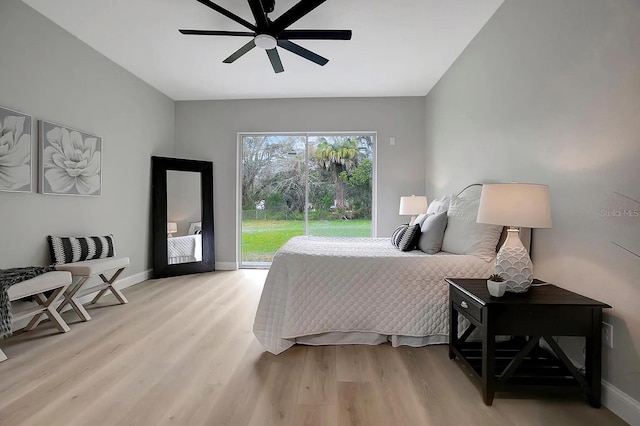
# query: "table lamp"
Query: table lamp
{"points": [[515, 205], [413, 206], [172, 228]]}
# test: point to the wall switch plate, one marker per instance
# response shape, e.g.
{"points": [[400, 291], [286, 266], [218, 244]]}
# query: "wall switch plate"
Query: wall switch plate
{"points": [[392, 141], [607, 335]]}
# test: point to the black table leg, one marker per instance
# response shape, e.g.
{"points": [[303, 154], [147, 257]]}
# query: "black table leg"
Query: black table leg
{"points": [[453, 329], [593, 358], [488, 360]]}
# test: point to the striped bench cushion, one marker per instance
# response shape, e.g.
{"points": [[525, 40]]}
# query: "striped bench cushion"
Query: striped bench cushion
{"points": [[76, 249]]}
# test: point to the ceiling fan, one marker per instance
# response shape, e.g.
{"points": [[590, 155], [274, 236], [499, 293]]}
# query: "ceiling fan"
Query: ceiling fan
{"points": [[268, 34]]}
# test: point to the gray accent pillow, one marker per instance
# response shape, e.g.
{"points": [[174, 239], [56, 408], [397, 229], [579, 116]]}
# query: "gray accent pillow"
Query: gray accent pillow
{"points": [[433, 233]]}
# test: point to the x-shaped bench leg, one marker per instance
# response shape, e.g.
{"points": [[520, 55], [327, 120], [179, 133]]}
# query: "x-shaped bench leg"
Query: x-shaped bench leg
{"points": [[117, 293], [49, 311], [70, 299]]}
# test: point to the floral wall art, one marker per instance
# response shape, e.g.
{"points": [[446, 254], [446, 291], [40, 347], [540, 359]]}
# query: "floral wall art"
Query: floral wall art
{"points": [[70, 162], [15, 151]]}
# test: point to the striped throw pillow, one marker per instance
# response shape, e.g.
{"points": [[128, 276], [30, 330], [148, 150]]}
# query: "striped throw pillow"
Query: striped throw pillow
{"points": [[410, 238], [396, 237], [77, 249]]}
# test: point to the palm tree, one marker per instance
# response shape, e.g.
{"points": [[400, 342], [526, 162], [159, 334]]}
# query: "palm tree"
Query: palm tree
{"points": [[341, 155]]}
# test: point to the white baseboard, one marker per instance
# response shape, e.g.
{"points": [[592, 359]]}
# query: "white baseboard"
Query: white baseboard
{"points": [[621, 404], [121, 284], [226, 266], [133, 279]]}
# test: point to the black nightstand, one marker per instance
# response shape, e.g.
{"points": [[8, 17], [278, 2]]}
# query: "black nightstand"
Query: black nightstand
{"points": [[520, 363]]}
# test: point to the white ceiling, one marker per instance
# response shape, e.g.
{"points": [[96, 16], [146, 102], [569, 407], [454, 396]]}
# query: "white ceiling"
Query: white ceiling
{"points": [[399, 48]]}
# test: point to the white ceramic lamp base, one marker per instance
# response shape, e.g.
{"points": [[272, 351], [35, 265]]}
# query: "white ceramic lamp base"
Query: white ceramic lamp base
{"points": [[514, 264]]}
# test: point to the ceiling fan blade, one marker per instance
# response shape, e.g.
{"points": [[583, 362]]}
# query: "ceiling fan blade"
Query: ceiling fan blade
{"points": [[276, 63], [218, 33], [315, 35], [259, 15], [296, 12], [301, 51], [228, 14], [244, 49]]}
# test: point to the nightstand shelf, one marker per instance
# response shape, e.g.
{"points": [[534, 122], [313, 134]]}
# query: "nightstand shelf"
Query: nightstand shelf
{"points": [[521, 364], [538, 364]]}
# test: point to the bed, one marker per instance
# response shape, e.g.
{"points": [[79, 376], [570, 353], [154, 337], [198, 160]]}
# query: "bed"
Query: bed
{"points": [[187, 248], [324, 291]]}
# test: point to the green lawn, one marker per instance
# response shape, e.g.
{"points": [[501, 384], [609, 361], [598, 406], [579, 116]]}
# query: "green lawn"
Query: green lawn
{"points": [[262, 238]]}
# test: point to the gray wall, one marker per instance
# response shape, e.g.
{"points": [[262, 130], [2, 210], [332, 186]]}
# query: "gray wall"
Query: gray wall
{"points": [[49, 74], [208, 130], [549, 92]]}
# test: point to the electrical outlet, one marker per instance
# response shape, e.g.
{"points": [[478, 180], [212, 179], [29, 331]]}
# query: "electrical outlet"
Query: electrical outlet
{"points": [[607, 334]]}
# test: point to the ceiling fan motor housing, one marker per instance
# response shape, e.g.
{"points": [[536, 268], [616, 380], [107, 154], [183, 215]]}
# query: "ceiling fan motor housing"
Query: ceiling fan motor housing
{"points": [[266, 41]]}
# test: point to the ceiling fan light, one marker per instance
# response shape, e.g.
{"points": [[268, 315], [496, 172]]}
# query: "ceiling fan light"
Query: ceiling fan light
{"points": [[265, 41]]}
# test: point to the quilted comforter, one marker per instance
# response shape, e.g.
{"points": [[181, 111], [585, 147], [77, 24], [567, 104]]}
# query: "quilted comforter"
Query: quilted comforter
{"points": [[322, 285], [183, 249]]}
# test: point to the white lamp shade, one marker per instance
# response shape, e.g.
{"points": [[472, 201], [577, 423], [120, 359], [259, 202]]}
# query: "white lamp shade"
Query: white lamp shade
{"points": [[413, 205], [515, 204], [172, 227]]}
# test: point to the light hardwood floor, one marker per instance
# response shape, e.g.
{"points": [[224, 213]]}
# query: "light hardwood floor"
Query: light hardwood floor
{"points": [[182, 352]]}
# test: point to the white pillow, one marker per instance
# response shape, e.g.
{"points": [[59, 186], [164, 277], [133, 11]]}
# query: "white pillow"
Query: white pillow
{"points": [[464, 235], [439, 205], [420, 219]]}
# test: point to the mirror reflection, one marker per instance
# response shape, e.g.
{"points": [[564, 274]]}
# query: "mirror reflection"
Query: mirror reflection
{"points": [[184, 221]]}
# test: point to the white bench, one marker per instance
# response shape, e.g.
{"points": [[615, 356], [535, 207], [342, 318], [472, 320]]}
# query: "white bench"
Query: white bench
{"points": [[56, 282], [83, 272]]}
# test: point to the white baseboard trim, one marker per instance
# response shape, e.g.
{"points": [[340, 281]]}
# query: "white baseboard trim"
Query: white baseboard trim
{"points": [[226, 266], [133, 279], [621, 404], [618, 402], [121, 284]]}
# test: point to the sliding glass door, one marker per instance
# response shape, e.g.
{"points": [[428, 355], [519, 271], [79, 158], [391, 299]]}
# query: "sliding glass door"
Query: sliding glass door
{"points": [[340, 185], [303, 184]]}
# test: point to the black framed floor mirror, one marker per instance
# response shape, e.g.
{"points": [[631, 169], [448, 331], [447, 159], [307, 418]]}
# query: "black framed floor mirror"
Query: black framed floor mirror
{"points": [[182, 216]]}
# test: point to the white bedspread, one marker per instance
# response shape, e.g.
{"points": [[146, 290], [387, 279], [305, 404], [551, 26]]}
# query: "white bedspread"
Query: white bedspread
{"points": [[184, 249], [322, 285]]}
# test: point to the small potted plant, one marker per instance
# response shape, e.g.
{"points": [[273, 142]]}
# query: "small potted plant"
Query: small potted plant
{"points": [[496, 285]]}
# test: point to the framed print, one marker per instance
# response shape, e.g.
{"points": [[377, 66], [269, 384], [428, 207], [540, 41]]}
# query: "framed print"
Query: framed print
{"points": [[70, 161], [15, 151]]}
